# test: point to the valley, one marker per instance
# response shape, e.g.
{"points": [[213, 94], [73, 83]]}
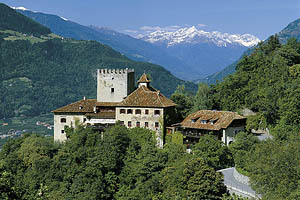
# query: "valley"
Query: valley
{"points": [[87, 112]]}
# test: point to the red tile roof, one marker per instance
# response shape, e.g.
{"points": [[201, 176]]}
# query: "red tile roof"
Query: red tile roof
{"points": [[84, 106], [81, 106], [147, 97], [144, 79], [215, 120]]}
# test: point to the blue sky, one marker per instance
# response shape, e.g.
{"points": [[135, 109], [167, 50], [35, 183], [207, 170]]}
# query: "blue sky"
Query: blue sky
{"points": [[258, 17]]}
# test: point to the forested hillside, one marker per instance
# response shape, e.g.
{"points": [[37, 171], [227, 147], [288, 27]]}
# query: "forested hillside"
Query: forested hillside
{"points": [[266, 82], [39, 73], [10, 20], [290, 31]]}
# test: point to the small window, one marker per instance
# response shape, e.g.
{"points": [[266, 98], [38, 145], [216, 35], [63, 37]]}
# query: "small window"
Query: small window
{"points": [[80, 107], [62, 131], [121, 122], [146, 112], [203, 122], [156, 124], [63, 120], [138, 124], [112, 90], [156, 112], [122, 111], [129, 123], [129, 111], [146, 124], [138, 111]]}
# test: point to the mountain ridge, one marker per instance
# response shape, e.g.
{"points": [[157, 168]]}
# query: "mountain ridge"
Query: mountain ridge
{"points": [[133, 48], [41, 73], [193, 35]]}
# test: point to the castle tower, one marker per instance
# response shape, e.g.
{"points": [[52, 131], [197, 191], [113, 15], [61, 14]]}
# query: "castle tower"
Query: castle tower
{"points": [[113, 85]]}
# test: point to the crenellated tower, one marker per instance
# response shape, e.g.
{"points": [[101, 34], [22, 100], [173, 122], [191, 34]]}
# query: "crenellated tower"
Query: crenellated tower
{"points": [[113, 85]]}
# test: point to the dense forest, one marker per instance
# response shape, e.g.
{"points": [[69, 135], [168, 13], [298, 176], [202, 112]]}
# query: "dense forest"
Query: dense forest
{"points": [[267, 83], [119, 164], [40, 72]]}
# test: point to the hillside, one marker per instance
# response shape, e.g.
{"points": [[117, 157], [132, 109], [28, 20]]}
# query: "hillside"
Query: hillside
{"points": [[133, 48], [10, 20], [41, 73], [267, 82], [292, 30]]}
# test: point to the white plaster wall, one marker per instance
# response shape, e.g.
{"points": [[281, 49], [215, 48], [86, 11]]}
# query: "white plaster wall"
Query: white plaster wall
{"points": [[151, 118], [121, 80], [230, 132], [58, 126], [142, 118]]}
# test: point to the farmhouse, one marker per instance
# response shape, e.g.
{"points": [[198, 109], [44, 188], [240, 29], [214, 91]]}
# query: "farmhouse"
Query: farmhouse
{"points": [[223, 124], [117, 100]]}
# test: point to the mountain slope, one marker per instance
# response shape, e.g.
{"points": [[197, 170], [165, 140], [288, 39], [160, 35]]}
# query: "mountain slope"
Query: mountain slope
{"points": [[10, 20], [292, 30], [133, 48], [39, 74]]}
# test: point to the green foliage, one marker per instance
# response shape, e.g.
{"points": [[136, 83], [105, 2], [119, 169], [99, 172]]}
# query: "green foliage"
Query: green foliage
{"points": [[202, 100], [120, 163], [11, 20], [184, 101], [266, 82], [256, 122], [213, 152], [274, 168], [177, 138], [243, 145], [199, 181]]}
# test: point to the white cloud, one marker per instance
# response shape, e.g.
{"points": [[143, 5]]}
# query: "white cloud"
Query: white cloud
{"points": [[159, 28], [201, 25], [130, 31]]}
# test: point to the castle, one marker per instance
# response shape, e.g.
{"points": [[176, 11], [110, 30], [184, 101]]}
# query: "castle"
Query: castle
{"points": [[117, 100]]}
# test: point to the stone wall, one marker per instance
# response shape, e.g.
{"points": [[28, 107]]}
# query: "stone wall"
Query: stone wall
{"points": [[114, 84]]}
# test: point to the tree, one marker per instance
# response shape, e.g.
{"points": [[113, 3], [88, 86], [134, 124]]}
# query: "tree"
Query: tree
{"points": [[199, 181], [202, 98], [243, 145], [213, 152], [183, 100]]}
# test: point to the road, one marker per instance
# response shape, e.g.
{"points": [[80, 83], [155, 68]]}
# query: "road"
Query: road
{"points": [[234, 186]]}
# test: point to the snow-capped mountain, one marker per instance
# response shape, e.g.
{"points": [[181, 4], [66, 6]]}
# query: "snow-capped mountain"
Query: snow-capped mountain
{"points": [[191, 35]]}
